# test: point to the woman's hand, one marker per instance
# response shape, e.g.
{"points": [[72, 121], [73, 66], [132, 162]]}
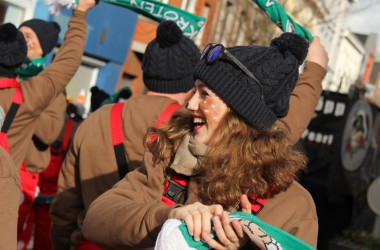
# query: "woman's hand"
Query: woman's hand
{"points": [[197, 217], [230, 234]]}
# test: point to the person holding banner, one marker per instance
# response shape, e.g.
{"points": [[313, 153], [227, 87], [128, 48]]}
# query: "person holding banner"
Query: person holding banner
{"points": [[41, 37], [233, 151]]}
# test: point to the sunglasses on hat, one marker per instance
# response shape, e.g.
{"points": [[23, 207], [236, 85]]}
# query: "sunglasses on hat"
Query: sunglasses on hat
{"points": [[213, 52]]}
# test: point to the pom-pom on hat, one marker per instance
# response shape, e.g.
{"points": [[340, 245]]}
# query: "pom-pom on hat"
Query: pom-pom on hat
{"points": [[169, 60], [47, 33], [277, 69], [13, 49], [97, 97]]}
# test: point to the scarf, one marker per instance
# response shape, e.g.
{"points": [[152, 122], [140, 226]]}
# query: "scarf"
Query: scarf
{"points": [[31, 68], [188, 156], [278, 15], [189, 23]]}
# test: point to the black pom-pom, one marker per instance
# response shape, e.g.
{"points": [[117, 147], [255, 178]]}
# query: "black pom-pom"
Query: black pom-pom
{"points": [[8, 33], [294, 43], [168, 33], [94, 90]]}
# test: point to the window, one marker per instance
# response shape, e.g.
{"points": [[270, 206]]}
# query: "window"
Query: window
{"points": [[10, 13]]}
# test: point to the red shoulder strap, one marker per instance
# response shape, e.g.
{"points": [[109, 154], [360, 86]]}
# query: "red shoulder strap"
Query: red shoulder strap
{"points": [[11, 114], [67, 135], [166, 114], [12, 83], [118, 138], [257, 204], [164, 117]]}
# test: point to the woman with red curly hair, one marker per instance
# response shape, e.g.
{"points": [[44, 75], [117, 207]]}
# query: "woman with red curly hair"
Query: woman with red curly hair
{"points": [[234, 150]]}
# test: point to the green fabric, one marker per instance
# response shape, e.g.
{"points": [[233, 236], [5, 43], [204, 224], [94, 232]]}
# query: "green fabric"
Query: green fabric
{"points": [[189, 23], [285, 240], [278, 15], [41, 199], [199, 245], [31, 68], [113, 98]]}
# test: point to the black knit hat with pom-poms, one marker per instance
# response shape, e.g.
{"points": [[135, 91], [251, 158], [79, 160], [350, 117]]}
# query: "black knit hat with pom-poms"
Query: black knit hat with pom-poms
{"points": [[13, 50], [277, 69], [169, 60]]}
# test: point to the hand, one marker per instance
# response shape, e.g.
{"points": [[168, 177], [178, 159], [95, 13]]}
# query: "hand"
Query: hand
{"points": [[85, 5], [317, 53], [197, 217], [230, 234]]}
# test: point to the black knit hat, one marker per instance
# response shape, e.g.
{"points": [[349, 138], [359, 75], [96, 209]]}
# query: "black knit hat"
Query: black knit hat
{"points": [[13, 50], [47, 33], [169, 60], [277, 69]]}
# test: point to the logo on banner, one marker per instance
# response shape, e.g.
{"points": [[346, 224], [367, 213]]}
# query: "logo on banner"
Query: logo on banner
{"points": [[357, 132]]}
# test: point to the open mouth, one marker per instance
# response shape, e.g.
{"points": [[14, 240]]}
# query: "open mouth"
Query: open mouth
{"points": [[198, 122]]}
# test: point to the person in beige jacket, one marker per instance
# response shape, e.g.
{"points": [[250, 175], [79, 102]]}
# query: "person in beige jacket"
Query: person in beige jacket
{"points": [[232, 144], [39, 91], [90, 167], [41, 38], [10, 195]]}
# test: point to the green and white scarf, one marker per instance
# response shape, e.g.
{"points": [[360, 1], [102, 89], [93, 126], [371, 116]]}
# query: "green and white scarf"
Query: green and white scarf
{"points": [[31, 68], [174, 235], [279, 16], [189, 23]]}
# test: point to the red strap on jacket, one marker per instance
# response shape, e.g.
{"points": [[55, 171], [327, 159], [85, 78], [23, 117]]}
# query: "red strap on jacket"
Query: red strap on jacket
{"points": [[118, 138], [16, 102], [67, 135], [257, 204], [166, 114], [164, 117], [117, 132]]}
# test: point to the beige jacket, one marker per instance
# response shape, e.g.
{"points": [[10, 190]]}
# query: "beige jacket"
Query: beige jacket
{"points": [[131, 214], [90, 166], [39, 91], [9, 201], [48, 128]]}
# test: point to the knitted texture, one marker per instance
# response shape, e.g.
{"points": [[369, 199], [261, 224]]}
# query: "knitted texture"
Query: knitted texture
{"points": [[275, 66], [169, 60], [47, 33], [13, 49]]}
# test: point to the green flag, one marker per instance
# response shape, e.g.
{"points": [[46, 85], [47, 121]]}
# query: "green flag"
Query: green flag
{"points": [[189, 23], [278, 15]]}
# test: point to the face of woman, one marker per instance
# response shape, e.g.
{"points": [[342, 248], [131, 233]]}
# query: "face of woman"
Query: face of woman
{"points": [[34, 46], [208, 110]]}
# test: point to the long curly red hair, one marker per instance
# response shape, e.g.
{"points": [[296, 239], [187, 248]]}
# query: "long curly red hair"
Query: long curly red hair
{"points": [[240, 159]]}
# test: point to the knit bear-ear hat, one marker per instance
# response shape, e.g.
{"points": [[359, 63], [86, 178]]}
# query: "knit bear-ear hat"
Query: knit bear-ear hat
{"points": [[169, 60], [275, 66]]}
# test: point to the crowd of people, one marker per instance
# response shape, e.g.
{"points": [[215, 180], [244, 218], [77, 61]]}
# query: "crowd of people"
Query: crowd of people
{"points": [[215, 133]]}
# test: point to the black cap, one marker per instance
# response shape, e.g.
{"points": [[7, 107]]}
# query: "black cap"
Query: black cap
{"points": [[277, 69], [169, 60], [13, 49], [47, 33]]}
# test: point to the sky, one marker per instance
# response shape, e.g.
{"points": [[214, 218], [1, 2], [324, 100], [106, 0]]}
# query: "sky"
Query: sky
{"points": [[364, 18]]}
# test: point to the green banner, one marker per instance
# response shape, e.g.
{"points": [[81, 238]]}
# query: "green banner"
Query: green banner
{"points": [[189, 23], [278, 15]]}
